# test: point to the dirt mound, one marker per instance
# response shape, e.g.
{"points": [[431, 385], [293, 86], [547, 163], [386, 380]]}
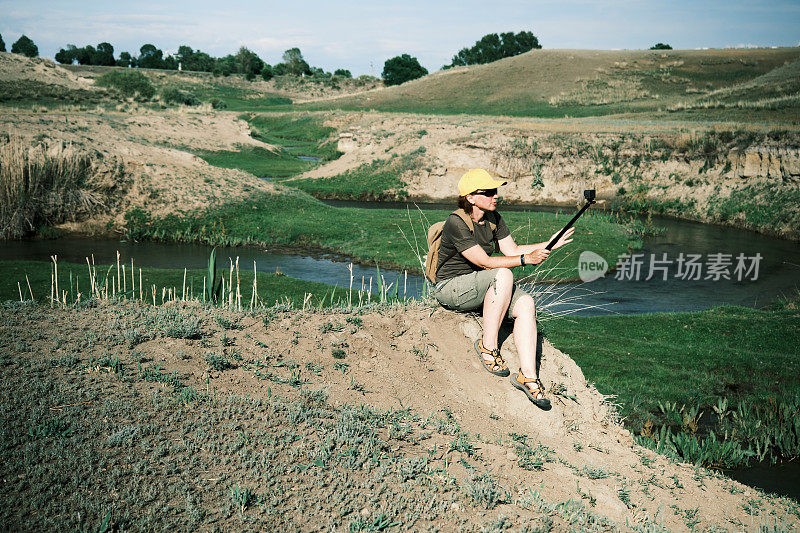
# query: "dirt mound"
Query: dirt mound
{"points": [[575, 463], [16, 67], [153, 151]]}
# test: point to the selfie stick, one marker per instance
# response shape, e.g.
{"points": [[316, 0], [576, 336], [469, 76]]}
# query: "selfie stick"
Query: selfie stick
{"points": [[589, 195]]}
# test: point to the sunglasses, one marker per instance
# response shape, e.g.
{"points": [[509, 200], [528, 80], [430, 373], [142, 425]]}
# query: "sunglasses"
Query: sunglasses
{"points": [[486, 192]]}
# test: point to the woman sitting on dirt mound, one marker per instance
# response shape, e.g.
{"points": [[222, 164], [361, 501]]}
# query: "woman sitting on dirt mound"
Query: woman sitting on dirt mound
{"points": [[468, 276]]}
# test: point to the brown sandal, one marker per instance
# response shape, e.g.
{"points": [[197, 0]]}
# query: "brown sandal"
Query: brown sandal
{"points": [[534, 394], [498, 366]]}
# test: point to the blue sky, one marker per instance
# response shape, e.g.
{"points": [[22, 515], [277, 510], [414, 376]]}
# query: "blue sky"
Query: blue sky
{"points": [[360, 35]]}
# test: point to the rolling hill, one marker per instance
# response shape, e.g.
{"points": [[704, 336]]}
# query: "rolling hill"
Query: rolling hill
{"points": [[574, 83]]}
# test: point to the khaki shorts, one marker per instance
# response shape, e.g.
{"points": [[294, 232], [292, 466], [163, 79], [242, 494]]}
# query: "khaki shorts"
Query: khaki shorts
{"points": [[467, 292]]}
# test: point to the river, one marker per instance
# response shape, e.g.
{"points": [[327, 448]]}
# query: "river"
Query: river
{"points": [[778, 267]]}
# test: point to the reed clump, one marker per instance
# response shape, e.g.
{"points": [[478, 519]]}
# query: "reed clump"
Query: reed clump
{"points": [[42, 184]]}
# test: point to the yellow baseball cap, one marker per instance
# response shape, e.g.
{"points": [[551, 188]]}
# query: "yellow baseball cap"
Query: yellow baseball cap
{"points": [[476, 179]]}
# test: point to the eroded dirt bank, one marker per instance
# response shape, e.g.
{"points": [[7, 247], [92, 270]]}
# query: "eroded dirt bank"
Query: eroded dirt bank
{"points": [[489, 455], [718, 175], [143, 159]]}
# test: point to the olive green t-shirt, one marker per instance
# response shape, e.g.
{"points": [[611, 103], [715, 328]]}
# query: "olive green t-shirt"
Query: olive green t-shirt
{"points": [[456, 237]]}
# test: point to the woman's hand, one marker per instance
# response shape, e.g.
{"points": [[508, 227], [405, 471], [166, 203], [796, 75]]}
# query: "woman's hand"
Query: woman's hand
{"points": [[565, 239], [536, 256]]}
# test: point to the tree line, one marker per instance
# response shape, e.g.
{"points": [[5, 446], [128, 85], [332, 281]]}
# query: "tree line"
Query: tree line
{"points": [[400, 69], [244, 61]]}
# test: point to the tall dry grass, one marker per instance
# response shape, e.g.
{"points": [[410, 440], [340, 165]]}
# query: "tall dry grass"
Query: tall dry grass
{"points": [[42, 184]]}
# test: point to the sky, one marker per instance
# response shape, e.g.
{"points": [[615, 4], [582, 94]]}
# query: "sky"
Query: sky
{"points": [[360, 36]]}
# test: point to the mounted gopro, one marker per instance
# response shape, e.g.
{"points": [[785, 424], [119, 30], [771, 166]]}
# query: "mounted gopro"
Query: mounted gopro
{"points": [[589, 194]]}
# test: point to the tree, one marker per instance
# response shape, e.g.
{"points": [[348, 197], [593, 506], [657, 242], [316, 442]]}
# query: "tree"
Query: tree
{"points": [[195, 59], [25, 47], [342, 73], [170, 63], [2, 44], [104, 55], [66, 56], [226, 65], [492, 47], [247, 63], [126, 60], [295, 64], [266, 72], [150, 57], [401, 69], [85, 55], [281, 69], [661, 46]]}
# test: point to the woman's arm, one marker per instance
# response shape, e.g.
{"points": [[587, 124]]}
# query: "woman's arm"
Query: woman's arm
{"points": [[509, 248], [478, 257]]}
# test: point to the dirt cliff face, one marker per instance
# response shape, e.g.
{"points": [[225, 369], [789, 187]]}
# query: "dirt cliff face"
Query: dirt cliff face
{"points": [[721, 177]]}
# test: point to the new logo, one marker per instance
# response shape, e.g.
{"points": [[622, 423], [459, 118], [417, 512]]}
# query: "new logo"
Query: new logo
{"points": [[591, 266]]}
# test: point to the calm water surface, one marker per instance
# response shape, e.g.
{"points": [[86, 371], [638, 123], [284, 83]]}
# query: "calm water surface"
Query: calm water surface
{"points": [[778, 269]]}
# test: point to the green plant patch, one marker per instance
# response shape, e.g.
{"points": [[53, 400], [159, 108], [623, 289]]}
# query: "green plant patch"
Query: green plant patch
{"points": [[771, 207], [257, 161], [379, 180], [301, 133], [128, 82], [237, 96], [665, 369], [387, 237], [74, 278]]}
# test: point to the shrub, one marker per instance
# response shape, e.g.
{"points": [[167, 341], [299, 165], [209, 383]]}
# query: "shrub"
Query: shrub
{"points": [[342, 73], [41, 185], [401, 69], [216, 103], [172, 95], [128, 83], [25, 47]]}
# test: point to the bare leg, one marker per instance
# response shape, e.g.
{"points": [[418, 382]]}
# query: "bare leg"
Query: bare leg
{"points": [[495, 306], [524, 314]]}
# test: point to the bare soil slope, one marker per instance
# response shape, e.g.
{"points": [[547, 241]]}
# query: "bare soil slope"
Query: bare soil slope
{"points": [[16, 67], [578, 468]]}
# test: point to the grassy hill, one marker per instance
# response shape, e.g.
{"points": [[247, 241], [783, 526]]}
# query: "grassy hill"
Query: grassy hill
{"points": [[575, 83]]}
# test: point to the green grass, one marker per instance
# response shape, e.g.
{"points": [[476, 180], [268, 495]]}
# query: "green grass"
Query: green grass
{"points": [[766, 207], [378, 180], [258, 161], [272, 288], [734, 352], [292, 127], [664, 368], [512, 107], [304, 133], [237, 97], [370, 236]]}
